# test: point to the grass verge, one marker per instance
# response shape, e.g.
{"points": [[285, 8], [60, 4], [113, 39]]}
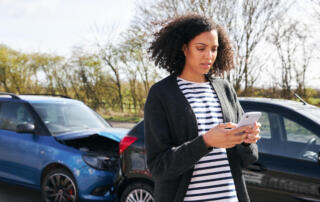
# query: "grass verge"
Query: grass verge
{"points": [[123, 117]]}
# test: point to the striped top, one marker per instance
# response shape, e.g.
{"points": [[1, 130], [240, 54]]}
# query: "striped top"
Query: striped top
{"points": [[211, 179]]}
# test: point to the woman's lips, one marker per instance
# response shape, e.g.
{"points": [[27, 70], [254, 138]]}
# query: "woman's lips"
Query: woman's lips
{"points": [[206, 65]]}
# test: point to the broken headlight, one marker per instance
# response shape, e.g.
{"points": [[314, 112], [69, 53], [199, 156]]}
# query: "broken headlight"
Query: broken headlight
{"points": [[101, 162]]}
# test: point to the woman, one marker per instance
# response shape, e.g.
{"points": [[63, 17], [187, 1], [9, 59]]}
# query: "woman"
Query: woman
{"points": [[195, 151]]}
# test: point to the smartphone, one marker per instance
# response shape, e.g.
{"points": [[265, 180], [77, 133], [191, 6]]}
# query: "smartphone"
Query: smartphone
{"points": [[249, 118]]}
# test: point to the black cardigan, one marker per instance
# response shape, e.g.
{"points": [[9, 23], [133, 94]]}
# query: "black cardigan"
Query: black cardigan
{"points": [[173, 145]]}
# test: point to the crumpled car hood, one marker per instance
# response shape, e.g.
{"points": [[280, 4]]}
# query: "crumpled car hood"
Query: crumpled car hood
{"points": [[115, 134]]}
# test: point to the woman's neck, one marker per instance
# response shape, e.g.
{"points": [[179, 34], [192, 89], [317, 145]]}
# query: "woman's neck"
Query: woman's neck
{"points": [[193, 77]]}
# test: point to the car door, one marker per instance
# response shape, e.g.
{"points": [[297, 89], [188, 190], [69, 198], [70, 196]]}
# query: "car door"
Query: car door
{"points": [[287, 169], [18, 151]]}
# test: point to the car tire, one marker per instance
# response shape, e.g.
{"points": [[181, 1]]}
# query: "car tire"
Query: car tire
{"points": [[137, 192], [59, 185]]}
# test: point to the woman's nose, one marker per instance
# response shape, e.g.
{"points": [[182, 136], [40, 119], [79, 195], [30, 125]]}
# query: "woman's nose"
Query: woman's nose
{"points": [[209, 54]]}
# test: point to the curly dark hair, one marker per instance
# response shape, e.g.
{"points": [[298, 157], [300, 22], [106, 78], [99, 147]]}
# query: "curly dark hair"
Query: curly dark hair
{"points": [[166, 47]]}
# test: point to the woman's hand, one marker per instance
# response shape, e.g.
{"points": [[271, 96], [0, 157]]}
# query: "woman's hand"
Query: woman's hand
{"points": [[227, 135], [254, 136]]}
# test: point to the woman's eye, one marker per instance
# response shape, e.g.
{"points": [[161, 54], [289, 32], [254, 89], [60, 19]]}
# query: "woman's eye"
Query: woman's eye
{"points": [[200, 49]]}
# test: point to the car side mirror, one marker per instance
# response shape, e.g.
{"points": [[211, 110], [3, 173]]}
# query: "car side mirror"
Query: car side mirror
{"points": [[25, 128]]}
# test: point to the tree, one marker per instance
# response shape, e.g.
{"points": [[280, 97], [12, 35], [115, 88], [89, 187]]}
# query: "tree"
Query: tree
{"points": [[306, 54], [247, 22], [85, 72], [316, 15], [50, 67], [109, 55], [316, 9], [5, 66], [17, 74], [135, 57], [294, 52]]}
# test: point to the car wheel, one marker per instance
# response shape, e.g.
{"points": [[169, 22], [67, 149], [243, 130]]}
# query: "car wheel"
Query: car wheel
{"points": [[137, 192], [59, 186]]}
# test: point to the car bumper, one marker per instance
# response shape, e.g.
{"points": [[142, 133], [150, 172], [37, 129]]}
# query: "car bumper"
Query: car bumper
{"points": [[91, 198], [96, 185]]}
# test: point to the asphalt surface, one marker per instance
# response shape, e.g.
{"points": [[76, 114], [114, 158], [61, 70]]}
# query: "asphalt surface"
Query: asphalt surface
{"points": [[14, 193], [121, 124]]}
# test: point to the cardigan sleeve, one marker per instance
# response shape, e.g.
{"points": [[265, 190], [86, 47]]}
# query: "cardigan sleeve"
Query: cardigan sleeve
{"points": [[247, 152], [164, 160]]}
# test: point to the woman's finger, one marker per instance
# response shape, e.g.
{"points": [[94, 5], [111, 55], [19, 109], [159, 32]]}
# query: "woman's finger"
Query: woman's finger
{"points": [[257, 124], [252, 138], [227, 125], [242, 129], [237, 139], [255, 133]]}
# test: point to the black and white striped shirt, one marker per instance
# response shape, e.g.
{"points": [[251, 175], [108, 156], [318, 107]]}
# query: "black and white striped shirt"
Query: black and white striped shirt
{"points": [[211, 179]]}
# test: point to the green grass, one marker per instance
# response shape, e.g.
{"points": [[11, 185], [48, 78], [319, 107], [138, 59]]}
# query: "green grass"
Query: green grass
{"points": [[314, 101], [132, 118]]}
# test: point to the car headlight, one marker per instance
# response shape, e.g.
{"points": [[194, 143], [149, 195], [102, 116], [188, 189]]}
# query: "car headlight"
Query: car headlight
{"points": [[101, 162]]}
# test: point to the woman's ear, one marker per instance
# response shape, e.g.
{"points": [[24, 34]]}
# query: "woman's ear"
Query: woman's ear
{"points": [[184, 49]]}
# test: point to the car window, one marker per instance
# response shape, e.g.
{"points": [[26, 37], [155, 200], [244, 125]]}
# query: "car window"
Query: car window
{"points": [[297, 133], [67, 117], [12, 114], [265, 126], [265, 143], [300, 143]]}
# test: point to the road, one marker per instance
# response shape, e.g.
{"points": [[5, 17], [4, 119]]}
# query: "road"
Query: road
{"points": [[13, 193], [121, 124]]}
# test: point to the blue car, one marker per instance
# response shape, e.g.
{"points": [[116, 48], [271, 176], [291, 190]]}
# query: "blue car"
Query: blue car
{"points": [[59, 146]]}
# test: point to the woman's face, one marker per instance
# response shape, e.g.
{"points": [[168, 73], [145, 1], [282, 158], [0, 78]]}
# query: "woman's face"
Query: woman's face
{"points": [[200, 53]]}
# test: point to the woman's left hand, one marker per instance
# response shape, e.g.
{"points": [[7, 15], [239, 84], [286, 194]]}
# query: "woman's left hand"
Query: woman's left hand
{"points": [[254, 136]]}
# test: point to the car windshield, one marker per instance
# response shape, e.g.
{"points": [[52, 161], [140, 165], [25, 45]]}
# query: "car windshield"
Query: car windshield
{"points": [[68, 117]]}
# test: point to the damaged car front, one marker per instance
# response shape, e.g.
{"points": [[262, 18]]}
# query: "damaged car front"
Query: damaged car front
{"points": [[94, 160], [96, 171], [65, 149]]}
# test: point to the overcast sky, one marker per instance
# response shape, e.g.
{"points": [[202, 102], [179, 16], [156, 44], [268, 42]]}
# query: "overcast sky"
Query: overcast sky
{"points": [[56, 26]]}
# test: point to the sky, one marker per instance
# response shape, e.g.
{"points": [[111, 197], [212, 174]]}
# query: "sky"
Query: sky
{"points": [[55, 26]]}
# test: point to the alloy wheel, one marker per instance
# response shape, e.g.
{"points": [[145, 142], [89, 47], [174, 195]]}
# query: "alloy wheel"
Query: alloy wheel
{"points": [[139, 195], [59, 188]]}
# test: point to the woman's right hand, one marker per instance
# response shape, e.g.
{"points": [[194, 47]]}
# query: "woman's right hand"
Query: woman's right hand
{"points": [[227, 135]]}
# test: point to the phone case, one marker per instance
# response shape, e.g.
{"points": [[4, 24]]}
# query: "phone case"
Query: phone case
{"points": [[249, 118]]}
